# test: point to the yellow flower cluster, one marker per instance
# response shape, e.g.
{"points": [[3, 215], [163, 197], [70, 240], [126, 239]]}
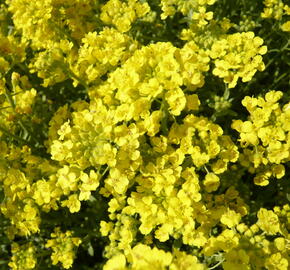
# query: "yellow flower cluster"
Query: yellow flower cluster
{"points": [[236, 259], [238, 56], [87, 141], [23, 257], [273, 9], [264, 136], [59, 118], [17, 99], [23, 98], [123, 14], [19, 207], [262, 252], [168, 198], [286, 26], [11, 52], [276, 9], [52, 63], [157, 71], [63, 247], [144, 257], [24, 101], [102, 52], [43, 22], [18, 186], [68, 181], [193, 9]]}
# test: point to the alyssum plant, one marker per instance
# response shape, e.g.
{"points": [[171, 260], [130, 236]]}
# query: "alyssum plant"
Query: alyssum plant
{"points": [[142, 134]]}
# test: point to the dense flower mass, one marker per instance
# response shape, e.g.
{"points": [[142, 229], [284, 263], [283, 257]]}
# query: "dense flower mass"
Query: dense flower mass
{"points": [[139, 134]]}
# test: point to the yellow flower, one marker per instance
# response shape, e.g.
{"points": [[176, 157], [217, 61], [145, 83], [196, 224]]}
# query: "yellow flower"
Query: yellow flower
{"points": [[277, 262], [183, 261], [118, 181], [286, 26], [72, 203], [280, 243], [143, 257], [106, 227], [176, 101], [192, 102], [268, 221], [42, 192], [230, 218], [63, 246], [202, 16], [162, 233], [88, 183], [211, 182], [117, 262], [236, 259], [278, 170], [152, 122], [273, 96]]}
